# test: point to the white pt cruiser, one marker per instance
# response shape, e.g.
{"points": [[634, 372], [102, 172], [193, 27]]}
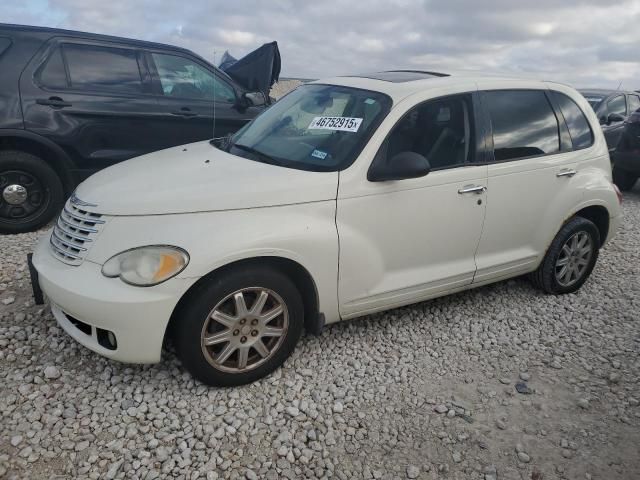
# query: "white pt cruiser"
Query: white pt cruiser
{"points": [[348, 196]]}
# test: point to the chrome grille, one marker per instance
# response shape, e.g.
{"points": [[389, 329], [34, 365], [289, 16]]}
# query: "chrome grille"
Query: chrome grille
{"points": [[73, 233]]}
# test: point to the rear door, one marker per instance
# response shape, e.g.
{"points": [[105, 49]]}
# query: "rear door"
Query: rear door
{"points": [[92, 98], [189, 94], [530, 179], [613, 129]]}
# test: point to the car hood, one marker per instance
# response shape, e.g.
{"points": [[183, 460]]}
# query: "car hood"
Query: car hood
{"points": [[198, 178]]}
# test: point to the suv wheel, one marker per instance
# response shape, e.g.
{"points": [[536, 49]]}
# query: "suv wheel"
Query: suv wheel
{"points": [[570, 258], [623, 179], [239, 327], [31, 192]]}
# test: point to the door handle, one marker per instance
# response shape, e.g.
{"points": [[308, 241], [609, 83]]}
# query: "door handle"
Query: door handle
{"points": [[184, 113], [567, 172], [477, 189], [54, 102]]}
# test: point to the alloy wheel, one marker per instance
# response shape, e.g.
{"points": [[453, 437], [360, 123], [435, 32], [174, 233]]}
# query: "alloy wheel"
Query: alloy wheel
{"points": [[574, 259], [244, 329]]}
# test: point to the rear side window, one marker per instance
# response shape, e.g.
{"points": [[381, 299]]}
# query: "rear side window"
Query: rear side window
{"points": [[53, 74], [523, 123], [579, 129], [103, 68], [634, 103], [617, 105]]}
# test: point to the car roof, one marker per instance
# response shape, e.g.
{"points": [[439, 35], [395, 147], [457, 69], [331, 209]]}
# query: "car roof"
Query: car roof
{"points": [[48, 32], [602, 91], [399, 84]]}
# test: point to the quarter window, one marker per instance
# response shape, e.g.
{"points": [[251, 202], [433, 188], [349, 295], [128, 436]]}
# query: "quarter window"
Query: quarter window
{"points": [[103, 68], [183, 78], [523, 124], [634, 103], [53, 75], [440, 130], [579, 129], [617, 105]]}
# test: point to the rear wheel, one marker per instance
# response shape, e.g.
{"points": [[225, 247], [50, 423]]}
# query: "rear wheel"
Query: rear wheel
{"points": [[623, 179], [570, 258], [239, 327], [31, 192]]}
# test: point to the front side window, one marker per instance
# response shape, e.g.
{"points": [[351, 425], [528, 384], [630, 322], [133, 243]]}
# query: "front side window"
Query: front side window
{"points": [[440, 130], [634, 103], [579, 129], [617, 105], [53, 74], [183, 78], [98, 68], [315, 127], [523, 124]]}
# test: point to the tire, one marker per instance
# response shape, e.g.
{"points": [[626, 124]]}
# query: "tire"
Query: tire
{"points": [[623, 179], [37, 182], [212, 309], [550, 277]]}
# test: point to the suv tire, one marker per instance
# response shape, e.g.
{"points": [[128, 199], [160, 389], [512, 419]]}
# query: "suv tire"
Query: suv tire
{"points": [[569, 259], [223, 333], [623, 179], [31, 192]]}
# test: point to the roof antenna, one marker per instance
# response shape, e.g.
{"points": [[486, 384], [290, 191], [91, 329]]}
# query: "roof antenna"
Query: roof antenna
{"points": [[619, 85]]}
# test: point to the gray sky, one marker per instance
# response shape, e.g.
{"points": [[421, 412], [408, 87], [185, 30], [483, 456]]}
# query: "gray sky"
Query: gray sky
{"points": [[592, 43]]}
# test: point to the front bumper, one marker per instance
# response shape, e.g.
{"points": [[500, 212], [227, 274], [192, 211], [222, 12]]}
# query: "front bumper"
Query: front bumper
{"points": [[137, 316]]}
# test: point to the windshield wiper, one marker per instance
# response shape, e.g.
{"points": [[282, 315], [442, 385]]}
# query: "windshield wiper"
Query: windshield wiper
{"points": [[261, 157]]}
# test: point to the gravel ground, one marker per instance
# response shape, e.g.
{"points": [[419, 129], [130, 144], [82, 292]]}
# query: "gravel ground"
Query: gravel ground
{"points": [[426, 391]]}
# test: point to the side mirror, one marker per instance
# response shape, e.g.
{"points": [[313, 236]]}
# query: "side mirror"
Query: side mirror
{"points": [[254, 99], [614, 118], [401, 166]]}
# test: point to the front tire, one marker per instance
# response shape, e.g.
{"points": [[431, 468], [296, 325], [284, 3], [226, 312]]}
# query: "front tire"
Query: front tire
{"points": [[239, 327], [31, 192], [623, 179], [570, 258]]}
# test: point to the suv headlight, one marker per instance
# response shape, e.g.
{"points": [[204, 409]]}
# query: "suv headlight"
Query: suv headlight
{"points": [[146, 266]]}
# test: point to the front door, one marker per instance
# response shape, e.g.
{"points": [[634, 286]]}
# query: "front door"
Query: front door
{"points": [[409, 240], [189, 96]]}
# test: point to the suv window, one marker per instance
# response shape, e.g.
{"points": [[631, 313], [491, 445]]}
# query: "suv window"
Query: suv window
{"points": [[634, 103], [617, 105], [183, 78], [523, 123], [579, 128], [103, 68], [440, 130], [53, 74]]}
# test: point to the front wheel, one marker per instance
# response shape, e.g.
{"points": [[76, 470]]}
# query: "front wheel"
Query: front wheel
{"points": [[239, 327], [570, 258]]}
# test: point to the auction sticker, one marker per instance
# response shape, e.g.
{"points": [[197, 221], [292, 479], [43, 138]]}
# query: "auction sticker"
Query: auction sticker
{"points": [[343, 124]]}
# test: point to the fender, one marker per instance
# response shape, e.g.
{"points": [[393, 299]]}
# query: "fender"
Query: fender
{"points": [[64, 165]]}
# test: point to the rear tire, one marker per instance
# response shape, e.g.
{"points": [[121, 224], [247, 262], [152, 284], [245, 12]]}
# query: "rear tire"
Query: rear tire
{"points": [[623, 179], [570, 258], [31, 192], [226, 341]]}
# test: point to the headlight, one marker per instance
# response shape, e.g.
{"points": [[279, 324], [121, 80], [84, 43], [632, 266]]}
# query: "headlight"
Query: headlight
{"points": [[146, 266]]}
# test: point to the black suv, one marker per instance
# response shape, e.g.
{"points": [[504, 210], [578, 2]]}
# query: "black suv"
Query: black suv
{"points": [[72, 103], [612, 108]]}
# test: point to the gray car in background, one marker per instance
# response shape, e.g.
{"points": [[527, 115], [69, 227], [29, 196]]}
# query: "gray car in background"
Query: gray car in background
{"points": [[612, 108]]}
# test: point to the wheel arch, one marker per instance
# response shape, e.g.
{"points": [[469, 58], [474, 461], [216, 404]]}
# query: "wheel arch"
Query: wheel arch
{"points": [[313, 320], [599, 215], [43, 148]]}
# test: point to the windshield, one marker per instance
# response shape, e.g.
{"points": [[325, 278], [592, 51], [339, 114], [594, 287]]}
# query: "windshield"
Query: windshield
{"points": [[594, 100], [315, 127]]}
